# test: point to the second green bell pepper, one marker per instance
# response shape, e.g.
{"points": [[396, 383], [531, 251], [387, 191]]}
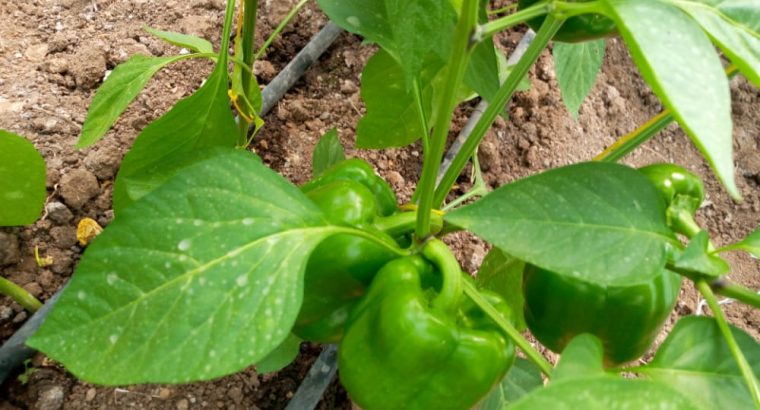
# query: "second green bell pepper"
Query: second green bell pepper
{"points": [[411, 343]]}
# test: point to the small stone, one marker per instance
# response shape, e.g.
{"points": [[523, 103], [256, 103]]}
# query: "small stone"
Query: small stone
{"points": [[36, 52], [90, 395], [9, 250], [265, 70], [164, 393], [78, 187], [88, 65], [6, 313], [348, 87], [64, 236], [395, 179], [48, 125], [59, 213], [183, 404], [103, 163], [20, 317], [50, 398]]}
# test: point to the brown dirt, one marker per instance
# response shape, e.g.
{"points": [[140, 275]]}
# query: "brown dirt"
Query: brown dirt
{"points": [[53, 54]]}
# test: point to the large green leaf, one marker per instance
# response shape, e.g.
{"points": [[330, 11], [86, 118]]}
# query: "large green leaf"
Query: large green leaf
{"points": [[582, 358], [522, 378], [189, 42], [605, 393], [198, 122], [22, 181], [577, 65], [678, 60], [118, 90], [599, 222], [735, 26], [393, 117], [695, 360], [407, 29], [503, 274], [199, 279]]}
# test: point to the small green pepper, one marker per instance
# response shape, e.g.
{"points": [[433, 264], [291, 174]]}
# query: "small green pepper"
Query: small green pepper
{"points": [[340, 268], [358, 170], [676, 185], [412, 343], [626, 318], [577, 28]]}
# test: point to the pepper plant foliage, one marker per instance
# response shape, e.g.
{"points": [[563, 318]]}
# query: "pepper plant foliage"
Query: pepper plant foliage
{"points": [[208, 266]]}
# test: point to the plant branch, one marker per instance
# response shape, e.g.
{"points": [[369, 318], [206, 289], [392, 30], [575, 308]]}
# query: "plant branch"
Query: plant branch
{"points": [[460, 54], [511, 332], [544, 35], [735, 291], [741, 361], [292, 13], [503, 23], [19, 295]]}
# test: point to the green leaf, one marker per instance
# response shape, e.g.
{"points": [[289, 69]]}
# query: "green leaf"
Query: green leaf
{"points": [[695, 360], [280, 357], [522, 378], [577, 65], [393, 115], [408, 30], [189, 42], [198, 122], [749, 244], [735, 26], [201, 278], [697, 257], [482, 73], [327, 153], [582, 358], [679, 62], [605, 393], [503, 274], [118, 90], [22, 181], [603, 223]]}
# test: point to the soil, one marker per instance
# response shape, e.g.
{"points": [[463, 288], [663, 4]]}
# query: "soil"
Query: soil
{"points": [[54, 54]]}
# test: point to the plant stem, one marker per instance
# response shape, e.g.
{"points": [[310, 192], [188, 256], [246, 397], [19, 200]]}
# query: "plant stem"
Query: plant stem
{"points": [[387, 244], [627, 143], [544, 35], [292, 13], [503, 23], [512, 333], [479, 188], [460, 54], [741, 361], [250, 7], [404, 222], [19, 295], [734, 291]]}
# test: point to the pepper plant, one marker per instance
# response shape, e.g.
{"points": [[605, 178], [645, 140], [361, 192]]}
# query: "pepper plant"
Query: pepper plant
{"points": [[221, 263]]}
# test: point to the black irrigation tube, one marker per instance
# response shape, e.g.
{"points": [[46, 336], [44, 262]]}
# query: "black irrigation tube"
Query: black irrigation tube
{"points": [[14, 351]]}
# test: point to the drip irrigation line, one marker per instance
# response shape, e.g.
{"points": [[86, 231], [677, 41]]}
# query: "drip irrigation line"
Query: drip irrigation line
{"points": [[320, 376]]}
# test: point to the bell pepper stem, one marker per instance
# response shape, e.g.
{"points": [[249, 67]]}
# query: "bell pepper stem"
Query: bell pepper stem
{"points": [[492, 27], [472, 292], [390, 245], [741, 361], [19, 295], [403, 223], [479, 188], [440, 255], [444, 111], [735, 291]]}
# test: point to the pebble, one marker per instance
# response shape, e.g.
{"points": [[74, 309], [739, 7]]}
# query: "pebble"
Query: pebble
{"points": [[90, 394], [103, 163], [78, 187], [20, 317], [50, 398], [183, 404], [64, 236], [6, 313], [9, 250], [59, 213]]}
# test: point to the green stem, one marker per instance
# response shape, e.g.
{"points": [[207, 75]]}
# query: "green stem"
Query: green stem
{"points": [[250, 7], [292, 13], [440, 255], [479, 189], [629, 142], [404, 222], [737, 292], [461, 50], [741, 361], [472, 292], [503, 23], [505, 9], [19, 295], [390, 245], [544, 35]]}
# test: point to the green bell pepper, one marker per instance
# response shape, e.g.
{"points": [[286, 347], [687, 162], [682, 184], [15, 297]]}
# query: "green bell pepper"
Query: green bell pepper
{"points": [[682, 191], [340, 268], [358, 170], [412, 343], [626, 318], [577, 28]]}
